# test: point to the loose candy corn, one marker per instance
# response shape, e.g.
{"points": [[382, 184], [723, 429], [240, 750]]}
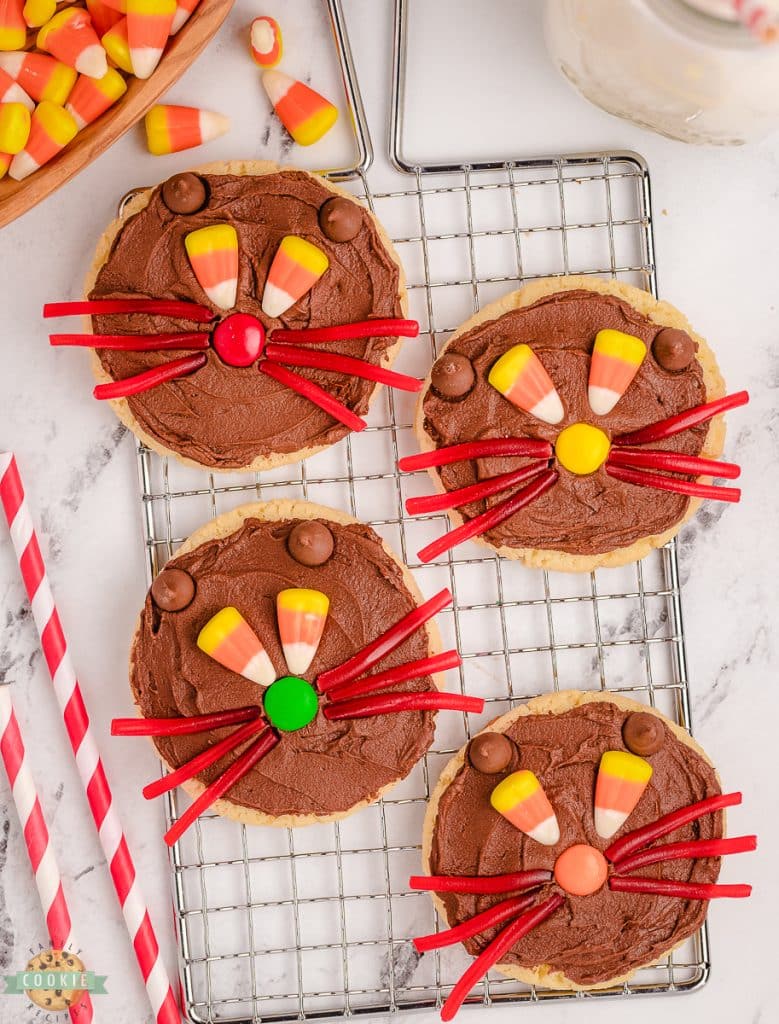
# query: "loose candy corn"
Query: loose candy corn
{"points": [[91, 97], [14, 127], [184, 9], [302, 615], [622, 778], [519, 376], [103, 17], [13, 28], [305, 114], [616, 359], [70, 37], [522, 801], [52, 128], [267, 44], [148, 28], [169, 129], [5, 163], [213, 254], [117, 5], [296, 268], [12, 92], [230, 640], [41, 77], [38, 12]]}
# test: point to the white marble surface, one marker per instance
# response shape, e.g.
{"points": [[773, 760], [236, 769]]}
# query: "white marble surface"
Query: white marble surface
{"points": [[716, 235]]}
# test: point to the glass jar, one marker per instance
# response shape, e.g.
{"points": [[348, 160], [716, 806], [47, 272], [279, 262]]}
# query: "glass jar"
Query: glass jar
{"points": [[685, 68]]}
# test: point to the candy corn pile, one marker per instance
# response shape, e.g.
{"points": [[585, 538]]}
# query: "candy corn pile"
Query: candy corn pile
{"points": [[60, 70]]}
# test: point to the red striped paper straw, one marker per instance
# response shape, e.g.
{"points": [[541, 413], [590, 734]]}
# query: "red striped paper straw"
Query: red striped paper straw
{"points": [[88, 762], [36, 838]]}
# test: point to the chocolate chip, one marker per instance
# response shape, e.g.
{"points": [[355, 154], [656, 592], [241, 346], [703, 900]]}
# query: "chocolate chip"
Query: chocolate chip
{"points": [[674, 350], [452, 375], [173, 590], [340, 219], [310, 543], [643, 733], [184, 193], [490, 752]]}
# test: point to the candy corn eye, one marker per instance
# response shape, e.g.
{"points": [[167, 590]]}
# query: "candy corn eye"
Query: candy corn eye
{"points": [[616, 360], [296, 267], [520, 377], [213, 254], [522, 801], [622, 779], [302, 615], [230, 640]]}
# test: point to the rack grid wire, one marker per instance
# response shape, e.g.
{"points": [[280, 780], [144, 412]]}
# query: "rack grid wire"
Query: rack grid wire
{"points": [[283, 925]]}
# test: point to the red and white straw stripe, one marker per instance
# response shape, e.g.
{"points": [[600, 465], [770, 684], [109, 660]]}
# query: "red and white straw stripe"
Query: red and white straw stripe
{"points": [[36, 838], [90, 766]]}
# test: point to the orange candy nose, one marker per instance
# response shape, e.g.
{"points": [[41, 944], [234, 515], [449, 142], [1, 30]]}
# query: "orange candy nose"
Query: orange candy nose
{"points": [[581, 870]]}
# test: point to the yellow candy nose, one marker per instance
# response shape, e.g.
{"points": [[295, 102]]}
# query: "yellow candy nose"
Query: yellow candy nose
{"points": [[581, 448]]}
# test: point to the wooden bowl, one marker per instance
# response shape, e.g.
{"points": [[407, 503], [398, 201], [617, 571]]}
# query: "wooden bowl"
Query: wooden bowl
{"points": [[16, 197]]}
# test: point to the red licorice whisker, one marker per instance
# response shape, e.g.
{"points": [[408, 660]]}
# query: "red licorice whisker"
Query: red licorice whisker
{"points": [[492, 517], [182, 726], [653, 458], [682, 421], [391, 703], [498, 948], [314, 394], [521, 447], [643, 478], [410, 670], [382, 645], [204, 760], [266, 742], [106, 307], [686, 851], [361, 329], [291, 355], [473, 492], [480, 885], [150, 378], [640, 837], [684, 890], [474, 925], [133, 342]]}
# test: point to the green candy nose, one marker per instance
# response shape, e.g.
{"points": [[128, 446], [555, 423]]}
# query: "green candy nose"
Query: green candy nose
{"points": [[290, 703]]}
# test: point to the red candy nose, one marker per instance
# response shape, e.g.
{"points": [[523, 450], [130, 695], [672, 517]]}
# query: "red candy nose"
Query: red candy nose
{"points": [[239, 339]]}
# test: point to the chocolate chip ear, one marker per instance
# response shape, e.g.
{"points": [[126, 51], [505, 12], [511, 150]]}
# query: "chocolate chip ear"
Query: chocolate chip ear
{"points": [[490, 752], [452, 376], [185, 193], [643, 734], [310, 543], [673, 349], [340, 219], [173, 590]]}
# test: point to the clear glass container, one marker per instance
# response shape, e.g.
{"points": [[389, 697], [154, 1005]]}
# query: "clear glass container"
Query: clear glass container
{"points": [[685, 68]]}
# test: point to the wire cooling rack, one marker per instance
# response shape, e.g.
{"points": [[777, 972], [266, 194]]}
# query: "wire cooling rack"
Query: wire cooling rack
{"points": [[281, 925]]}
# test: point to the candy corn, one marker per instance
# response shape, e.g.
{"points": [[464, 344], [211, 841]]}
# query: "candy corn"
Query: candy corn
{"points": [[90, 96], [267, 45], [103, 17], [229, 639], [41, 77], [296, 268], [69, 37], [183, 10], [615, 362], [5, 163], [148, 28], [117, 46], [522, 801], [38, 12], [213, 254], [622, 778], [170, 129], [520, 377], [302, 615], [117, 5], [12, 92], [304, 113], [13, 28], [52, 128], [14, 127]]}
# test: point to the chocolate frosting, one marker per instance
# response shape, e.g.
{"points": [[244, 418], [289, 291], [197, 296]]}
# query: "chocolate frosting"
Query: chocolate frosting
{"points": [[327, 766], [591, 938], [583, 515], [225, 416]]}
